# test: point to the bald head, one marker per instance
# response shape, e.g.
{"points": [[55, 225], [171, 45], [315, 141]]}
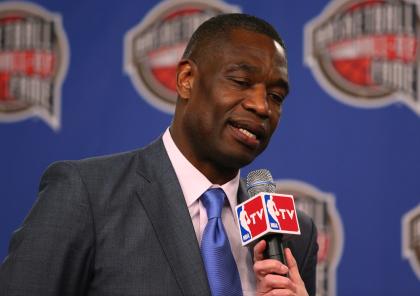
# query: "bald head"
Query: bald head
{"points": [[216, 30]]}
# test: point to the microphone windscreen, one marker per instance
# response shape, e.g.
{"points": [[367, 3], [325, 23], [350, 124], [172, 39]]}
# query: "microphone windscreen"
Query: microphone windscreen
{"points": [[260, 181]]}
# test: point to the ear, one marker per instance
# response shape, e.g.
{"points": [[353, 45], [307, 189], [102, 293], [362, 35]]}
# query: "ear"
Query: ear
{"points": [[185, 78]]}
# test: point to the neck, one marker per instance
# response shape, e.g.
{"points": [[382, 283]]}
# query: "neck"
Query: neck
{"points": [[216, 174]]}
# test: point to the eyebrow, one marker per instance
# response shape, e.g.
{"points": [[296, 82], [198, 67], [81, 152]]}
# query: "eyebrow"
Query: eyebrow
{"points": [[242, 67], [252, 69]]}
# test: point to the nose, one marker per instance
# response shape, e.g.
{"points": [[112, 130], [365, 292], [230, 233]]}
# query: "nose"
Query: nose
{"points": [[257, 102]]}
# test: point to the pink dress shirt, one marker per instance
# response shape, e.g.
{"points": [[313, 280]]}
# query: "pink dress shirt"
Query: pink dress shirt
{"points": [[194, 184]]}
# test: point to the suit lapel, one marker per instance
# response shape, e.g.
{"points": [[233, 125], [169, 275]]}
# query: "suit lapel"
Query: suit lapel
{"points": [[161, 196], [242, 193]]}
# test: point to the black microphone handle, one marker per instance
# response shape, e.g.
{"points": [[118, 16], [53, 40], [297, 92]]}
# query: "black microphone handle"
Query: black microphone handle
{"points": [[274, 248]]}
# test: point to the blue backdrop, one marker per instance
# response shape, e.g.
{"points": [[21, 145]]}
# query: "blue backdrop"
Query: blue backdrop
{"points": [[367, 158]]}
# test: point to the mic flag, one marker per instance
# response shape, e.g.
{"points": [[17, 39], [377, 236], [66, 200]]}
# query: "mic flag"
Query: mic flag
{"points": [[267, 213]]}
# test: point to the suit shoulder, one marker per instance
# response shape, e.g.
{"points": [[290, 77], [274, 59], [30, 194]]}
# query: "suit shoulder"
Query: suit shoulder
{"points": [[114, 161], [105, 161], [93, 168], [305, 222], [105, 172], [102, 163]]}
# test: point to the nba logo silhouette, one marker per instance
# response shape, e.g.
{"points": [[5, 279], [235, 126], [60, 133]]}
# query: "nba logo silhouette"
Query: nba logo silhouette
{"points": [[244, 221], [272, 211]]}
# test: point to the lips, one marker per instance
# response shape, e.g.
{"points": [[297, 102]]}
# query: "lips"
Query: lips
{"points": [[248, 133]]}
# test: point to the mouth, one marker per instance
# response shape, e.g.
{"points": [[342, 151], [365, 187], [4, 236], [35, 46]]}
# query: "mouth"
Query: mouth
{"points": [[248, 133]]}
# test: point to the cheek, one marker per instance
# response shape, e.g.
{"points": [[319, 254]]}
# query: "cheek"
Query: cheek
{"points": [[213, 101], [201, 120], [275, 118]]}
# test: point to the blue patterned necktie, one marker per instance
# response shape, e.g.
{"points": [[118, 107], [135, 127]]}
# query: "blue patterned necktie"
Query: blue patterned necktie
{"points": [[221, 268]]}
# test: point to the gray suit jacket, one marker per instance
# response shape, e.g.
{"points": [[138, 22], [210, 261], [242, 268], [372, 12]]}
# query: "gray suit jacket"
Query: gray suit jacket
{"points": [[117, 225]]}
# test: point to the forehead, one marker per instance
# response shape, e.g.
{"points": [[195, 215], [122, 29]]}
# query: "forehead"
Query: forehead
{"points": [[244, 47]]}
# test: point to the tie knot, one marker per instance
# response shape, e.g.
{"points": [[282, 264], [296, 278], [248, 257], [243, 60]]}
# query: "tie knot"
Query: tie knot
{"points": [[213, 200]]}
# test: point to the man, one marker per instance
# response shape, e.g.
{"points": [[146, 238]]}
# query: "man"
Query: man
{"points": [[134, 223]]}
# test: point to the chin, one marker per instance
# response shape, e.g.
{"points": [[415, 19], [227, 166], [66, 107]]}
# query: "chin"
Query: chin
{"points": [[238, 161]]}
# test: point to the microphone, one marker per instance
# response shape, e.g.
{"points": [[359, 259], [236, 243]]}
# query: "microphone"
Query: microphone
{"points": [[262, 181], [266, 214]]}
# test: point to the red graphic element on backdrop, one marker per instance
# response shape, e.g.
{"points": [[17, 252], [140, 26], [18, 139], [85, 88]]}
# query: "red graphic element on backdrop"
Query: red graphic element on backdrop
{"points": [[411, 238], [320, 206], [33, 62], [365, 53], [154, 47]]}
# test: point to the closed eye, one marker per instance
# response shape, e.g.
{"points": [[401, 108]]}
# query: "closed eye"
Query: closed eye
{"points": [[240, 81], [277, 97]]}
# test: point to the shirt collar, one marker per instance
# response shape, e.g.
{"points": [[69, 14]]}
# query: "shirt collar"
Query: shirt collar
{"points": [[193, 182]]}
